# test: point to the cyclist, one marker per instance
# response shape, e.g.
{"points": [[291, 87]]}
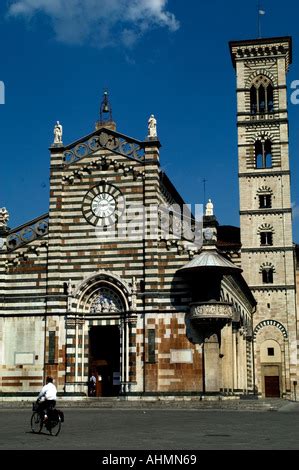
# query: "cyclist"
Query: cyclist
{"points": [[47, 397]]}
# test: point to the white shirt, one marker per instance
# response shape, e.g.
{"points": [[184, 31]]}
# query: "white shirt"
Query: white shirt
{"points": [[49, 391]]}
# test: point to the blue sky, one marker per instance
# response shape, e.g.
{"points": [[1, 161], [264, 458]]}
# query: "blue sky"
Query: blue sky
{"points": [[166, 58]]}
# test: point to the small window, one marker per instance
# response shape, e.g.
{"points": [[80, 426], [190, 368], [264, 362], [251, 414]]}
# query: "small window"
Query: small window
{"points": [[267, 275], [266, 238], [151, 336], [265, 201], [270, 351], [51, 347]]}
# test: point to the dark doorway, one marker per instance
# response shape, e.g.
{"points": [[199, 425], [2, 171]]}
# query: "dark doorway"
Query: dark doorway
{"points": [[272, 389], [104, 359]]}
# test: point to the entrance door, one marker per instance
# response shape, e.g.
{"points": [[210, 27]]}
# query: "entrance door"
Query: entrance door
{"points": [[104, 359], [272, 386]]}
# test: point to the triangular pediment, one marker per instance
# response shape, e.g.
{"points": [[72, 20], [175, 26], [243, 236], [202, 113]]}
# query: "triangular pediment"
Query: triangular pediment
{"points": [[108, 139]]}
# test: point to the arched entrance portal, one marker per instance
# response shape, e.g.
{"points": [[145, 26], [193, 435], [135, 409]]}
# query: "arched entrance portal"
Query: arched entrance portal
{"points": [[101, 335], [271, 356], [105, 349]]}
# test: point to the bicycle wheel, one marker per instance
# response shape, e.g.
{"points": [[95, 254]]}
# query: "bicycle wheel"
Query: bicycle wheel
{"points": [[36, 422], [54, 426]]}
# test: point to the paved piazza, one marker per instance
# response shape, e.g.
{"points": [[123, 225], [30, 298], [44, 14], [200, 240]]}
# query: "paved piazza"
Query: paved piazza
{"points": [[98, 429]]}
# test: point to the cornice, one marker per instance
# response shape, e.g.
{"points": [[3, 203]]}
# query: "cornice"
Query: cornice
{"points": [[265, 48]]}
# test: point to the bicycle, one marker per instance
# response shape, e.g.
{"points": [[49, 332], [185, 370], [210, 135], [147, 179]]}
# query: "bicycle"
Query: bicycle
{"points": [[53, 423]]}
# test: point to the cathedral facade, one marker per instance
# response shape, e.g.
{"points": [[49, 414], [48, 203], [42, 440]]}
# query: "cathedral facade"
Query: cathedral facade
{"points": [[121, 281]]}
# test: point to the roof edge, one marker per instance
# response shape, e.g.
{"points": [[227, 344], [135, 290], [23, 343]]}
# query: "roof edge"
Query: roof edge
{"points": [[257, 41]]}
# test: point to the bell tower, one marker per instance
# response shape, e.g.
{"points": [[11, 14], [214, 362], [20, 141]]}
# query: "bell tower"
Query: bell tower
{"points": [[265, 208]]}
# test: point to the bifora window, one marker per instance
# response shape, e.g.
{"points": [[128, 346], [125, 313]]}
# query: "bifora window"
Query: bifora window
{"points": [[266, 238], [263, 154], [261, 96], [265, 201], [267, 275]]}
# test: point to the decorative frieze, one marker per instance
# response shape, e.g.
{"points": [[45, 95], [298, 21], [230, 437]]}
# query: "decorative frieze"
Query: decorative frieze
{"points": [[27, 233], [211, 310], [102, 164], [108, 140]]}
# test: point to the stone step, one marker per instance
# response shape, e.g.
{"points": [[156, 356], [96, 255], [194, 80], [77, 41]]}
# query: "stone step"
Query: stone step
{"points": [[176, 403]]}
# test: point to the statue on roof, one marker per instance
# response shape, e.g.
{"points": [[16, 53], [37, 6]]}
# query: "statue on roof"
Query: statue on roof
{"points": [[58, 133], [4, 217], [152, 127], [209, 208]]}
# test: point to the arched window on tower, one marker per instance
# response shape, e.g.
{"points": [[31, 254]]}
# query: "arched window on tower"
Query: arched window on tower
{"points": [[263, 154], [265, 201], [267, 271], [261, 96], [266, 238], [267, 275], [264, 195], [265, 233]]}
